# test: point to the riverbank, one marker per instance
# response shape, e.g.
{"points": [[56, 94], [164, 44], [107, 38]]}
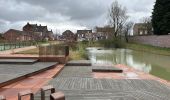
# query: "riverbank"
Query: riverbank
{"points": [[74, 54], [148, 48], [78, 51]]}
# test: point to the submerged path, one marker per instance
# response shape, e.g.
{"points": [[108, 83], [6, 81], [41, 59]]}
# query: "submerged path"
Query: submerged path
{"points": [[129, 73]]}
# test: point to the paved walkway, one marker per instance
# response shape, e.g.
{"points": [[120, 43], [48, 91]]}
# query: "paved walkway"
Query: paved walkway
{"points": [[12, 51], [80, 83], [34, 83], [10, 72], [129, 73]]}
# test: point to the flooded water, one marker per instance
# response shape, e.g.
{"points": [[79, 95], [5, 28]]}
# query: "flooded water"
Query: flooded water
{"points": [[158, 65]]}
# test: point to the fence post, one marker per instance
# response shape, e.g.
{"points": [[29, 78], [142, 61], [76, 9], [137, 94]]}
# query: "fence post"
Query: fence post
{"points": [[19, 44], [46, 88], [25, 93], [66, 50], [4, 46], [15, 45]]}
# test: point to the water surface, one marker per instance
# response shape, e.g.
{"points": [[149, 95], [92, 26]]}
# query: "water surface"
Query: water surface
{"points": [[158, 65]]}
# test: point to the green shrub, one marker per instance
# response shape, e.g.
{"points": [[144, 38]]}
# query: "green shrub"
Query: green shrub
{"points": [[112, 43]]}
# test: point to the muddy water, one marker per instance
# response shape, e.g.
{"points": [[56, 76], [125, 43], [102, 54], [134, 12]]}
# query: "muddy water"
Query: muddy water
{"points": [[158, 65]]}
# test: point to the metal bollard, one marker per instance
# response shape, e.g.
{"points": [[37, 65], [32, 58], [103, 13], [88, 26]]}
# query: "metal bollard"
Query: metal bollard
{"points": [[57, 96], [46, 88], [24, 93]]}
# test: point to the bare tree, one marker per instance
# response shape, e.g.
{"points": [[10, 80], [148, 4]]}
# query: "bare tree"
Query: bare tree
{"points": [[127, 28], [117, 17], [147, 24]]}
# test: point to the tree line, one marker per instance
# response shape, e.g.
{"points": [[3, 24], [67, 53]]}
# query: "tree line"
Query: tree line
{"points": [[158, 23]]}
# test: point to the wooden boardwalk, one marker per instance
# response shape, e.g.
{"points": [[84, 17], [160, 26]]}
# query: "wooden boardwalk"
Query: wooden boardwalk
{"points": [[77, 83]]}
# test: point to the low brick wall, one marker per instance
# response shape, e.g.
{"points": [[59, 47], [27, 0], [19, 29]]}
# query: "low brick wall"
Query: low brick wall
{"points": [[160, 41]]}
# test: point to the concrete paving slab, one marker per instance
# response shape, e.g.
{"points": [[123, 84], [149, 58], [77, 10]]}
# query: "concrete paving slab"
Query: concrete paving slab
{"points": [[108, 89], [89, 88], [13, 71], [76, 71], [106, 69], [18, 61], [79, 63]]}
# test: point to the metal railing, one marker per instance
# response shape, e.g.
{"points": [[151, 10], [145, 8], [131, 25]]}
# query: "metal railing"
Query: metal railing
{"points": [[9, 46]]}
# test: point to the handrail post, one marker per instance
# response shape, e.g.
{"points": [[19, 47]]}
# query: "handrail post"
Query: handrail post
{"points": [[4, 46], [46, 88], [25, 93]]}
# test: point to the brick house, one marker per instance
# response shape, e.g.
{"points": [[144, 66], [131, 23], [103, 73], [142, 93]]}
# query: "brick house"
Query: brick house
{"points": [[13, 35], [91, 36], [38, 32], [104, 32], [68, 36], [141, 29], [83, 34]]}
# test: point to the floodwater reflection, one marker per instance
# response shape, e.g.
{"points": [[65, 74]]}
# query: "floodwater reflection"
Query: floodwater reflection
{"points": [[158, 65]]}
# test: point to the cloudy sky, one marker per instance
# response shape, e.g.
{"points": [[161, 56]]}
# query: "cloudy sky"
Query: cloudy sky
{"points": [[66, 14]]}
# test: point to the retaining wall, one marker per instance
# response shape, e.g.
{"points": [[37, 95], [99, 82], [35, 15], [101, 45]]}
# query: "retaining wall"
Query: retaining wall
{"points": [[160, 41]]}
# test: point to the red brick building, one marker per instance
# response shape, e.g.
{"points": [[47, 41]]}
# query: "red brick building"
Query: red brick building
{"points": [[38, 32], [83, 34], [13, 35], [104, 32], [68, 36]]}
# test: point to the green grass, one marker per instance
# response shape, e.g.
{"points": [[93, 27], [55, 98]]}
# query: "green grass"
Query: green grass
{"points": [[76, 55], [31, 51], [148, 48]]}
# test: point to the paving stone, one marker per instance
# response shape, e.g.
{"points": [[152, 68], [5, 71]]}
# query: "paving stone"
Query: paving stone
{"points": [[76, 71], [77, 83], [18, 61], [89, 88], [86, 88], [13, 71], [79, 63], [106, 69]]}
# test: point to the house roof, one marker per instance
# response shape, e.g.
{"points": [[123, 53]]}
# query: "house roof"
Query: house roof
{"points": [[83, 31], [36, 28], [16, 31], [139, 25], [68, 32]]}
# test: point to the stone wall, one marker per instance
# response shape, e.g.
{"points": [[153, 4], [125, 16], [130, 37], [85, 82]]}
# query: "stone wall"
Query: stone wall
{"points": [[160, 41]]}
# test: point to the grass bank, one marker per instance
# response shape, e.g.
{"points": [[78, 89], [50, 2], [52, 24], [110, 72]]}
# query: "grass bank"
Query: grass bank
{"points": [[148, 48], [31, 52], [77, 51]]}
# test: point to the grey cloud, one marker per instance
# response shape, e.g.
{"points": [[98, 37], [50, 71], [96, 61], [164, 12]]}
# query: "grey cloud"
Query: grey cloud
{"points": [[89, 13], [13, 11], [76, 9]]}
